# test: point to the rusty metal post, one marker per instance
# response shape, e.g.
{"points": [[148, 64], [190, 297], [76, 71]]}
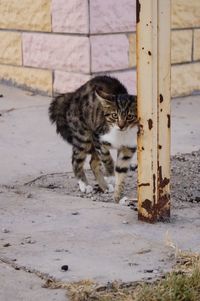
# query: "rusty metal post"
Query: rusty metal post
{"points": [[153, 89]]}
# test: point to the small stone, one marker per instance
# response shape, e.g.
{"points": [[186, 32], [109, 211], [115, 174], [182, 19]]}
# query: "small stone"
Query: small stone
{"points": [[4, 230], [61, 250], [132, 264], [6, 245], [75, 213], [29, 93], [30, 241], [1, 95], [29, 196], [148, 271], [64, 267], [125, 222], [144, 251], [156, 271]]}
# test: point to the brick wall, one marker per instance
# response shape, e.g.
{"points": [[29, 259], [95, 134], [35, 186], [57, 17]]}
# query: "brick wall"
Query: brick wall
{"points": [[56, 45], [185, 47]]}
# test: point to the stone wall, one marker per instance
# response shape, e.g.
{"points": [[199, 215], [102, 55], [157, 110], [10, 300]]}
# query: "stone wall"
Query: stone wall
{"points": [[54, 46], [185, 47]]}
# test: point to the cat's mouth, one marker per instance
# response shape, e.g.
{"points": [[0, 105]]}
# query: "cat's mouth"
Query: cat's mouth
{"points": [[122, 130], [134, 124]]}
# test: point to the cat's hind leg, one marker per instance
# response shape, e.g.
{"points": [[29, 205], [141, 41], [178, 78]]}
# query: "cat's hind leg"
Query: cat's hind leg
{"points": [[109, 167], [78, 160], [95, 164], [107, 160], [124, 157]]}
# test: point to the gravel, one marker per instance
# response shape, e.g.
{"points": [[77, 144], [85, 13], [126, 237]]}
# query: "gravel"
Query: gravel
{"points": [[185, 183]]}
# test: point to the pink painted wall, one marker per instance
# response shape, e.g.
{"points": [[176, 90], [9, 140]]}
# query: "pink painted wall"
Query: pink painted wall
{"points": [[85, 40]]}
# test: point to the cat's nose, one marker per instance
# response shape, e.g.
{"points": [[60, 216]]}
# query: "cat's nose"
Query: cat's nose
{"points": [[121, 124]]}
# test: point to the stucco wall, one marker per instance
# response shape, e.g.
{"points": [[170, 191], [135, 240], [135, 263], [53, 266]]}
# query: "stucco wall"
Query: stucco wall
{"points": [[56, 45]]}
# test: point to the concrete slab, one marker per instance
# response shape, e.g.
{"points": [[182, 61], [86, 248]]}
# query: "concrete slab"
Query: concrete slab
{"points": [[100, 241], [44, 229]]}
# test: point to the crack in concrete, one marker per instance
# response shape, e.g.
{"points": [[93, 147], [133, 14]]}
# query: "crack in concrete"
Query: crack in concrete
{"points": [[16, 266], [4, 111]]}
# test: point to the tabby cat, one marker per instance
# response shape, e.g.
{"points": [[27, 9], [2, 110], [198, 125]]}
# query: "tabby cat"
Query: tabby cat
{"points": [[96, 117]]}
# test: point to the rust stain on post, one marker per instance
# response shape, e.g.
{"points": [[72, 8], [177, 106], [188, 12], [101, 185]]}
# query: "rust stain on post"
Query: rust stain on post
{"points": [[161, 98], [162, 182], [168, 121], [163, 207], [147, 205], [140, 130], [150, 123], [144, 184], [154, 183], [138, 7]]}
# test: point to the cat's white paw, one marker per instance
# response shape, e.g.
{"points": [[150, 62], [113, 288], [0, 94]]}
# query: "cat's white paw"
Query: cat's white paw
{"points": [[124, 201], [84, 187], [110, 188], [89, 189], [110, 180]]}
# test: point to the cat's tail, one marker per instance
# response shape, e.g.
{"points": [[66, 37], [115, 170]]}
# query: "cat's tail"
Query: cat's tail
{"points": [[57, 115], [56, 110]]}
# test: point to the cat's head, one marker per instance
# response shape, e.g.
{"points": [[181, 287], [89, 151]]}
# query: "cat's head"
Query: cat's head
{"points": [[119, 110]]}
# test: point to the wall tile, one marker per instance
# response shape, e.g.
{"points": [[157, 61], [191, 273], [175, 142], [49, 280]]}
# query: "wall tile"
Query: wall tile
{"points": [[58, 52]]}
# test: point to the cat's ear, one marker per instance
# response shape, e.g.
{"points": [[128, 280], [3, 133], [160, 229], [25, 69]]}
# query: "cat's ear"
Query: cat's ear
{"points": [[105, 98], [133, 98]]}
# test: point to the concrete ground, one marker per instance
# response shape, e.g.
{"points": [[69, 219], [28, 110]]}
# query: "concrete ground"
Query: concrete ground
{"points": [[42, 230]]}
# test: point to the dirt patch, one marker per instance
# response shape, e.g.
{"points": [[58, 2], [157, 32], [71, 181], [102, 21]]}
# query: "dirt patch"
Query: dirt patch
{"points": [[185, 180], [185, 183]]}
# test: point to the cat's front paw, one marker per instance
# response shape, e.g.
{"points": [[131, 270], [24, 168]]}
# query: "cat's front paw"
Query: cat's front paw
{"points": [[110, 188], [116, 197], [110, 180], [124, 201], [84, 187]]}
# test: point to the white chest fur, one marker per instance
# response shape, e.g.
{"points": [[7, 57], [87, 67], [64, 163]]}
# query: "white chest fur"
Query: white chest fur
{"points": [[121, 138]]}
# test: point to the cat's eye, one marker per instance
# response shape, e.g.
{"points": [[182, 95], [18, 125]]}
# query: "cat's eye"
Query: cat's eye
{"points": [[130, 116], [114, 115]]}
